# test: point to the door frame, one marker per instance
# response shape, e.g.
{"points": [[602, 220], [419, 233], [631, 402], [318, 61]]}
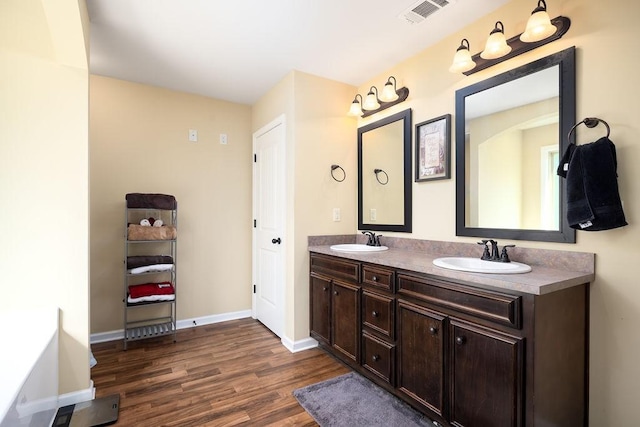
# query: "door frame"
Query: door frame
{"points": [[278, 121]]}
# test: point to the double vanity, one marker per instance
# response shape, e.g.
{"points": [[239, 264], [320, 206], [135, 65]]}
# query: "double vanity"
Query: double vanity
{"points": [[466, 349]]}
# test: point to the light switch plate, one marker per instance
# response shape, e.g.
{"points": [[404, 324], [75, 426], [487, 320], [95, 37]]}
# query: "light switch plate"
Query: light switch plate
{"points": [[193, 135]]}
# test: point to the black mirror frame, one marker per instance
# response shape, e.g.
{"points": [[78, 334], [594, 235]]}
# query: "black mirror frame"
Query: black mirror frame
{"points": [[566, 60], [405, 116]]}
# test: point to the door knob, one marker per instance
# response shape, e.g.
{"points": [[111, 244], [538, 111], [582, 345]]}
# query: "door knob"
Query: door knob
{"points": [[276, 241]]}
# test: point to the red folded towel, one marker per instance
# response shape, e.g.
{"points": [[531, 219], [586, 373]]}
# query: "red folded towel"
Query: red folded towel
{"points": [[148, 289]]}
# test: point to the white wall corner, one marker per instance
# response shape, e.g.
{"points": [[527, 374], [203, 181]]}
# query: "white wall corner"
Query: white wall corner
{"points": [[77, 396], [300, 345]]}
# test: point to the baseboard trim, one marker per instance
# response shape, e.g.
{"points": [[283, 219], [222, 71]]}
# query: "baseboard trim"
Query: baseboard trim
{"points": [[77, 396], [180, 324], [300, 345]]}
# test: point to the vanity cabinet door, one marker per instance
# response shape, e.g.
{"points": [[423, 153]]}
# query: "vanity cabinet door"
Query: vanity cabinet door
{"points": [[486, 376], [345, 319], [421, 346], [320, 300]]}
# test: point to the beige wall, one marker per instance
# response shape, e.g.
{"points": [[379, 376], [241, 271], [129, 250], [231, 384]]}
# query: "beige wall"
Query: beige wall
{"points": [[44, 220], [603, 33], [319, 134], [139, 143]]}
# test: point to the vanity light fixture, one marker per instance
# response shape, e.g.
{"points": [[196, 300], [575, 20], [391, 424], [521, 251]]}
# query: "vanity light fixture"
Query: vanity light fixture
{"points": [[539, 31], [371, 102], [389, 93], [462, 60], [539, 25], [496, 46], [356, 106]]}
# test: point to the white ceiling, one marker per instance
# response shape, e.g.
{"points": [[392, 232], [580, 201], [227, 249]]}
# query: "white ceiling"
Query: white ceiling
{"points": [[236, 50]]}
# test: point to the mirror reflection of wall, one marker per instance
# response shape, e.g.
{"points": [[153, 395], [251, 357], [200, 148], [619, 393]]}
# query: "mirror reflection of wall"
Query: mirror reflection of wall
{"points": [[512, 144], [382, 148], [385, 205]]}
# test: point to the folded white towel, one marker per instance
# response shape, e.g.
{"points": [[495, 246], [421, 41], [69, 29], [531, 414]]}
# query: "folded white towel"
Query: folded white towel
{"points": [[145, 222], [158, 223], [152, 298], [151, 268]]}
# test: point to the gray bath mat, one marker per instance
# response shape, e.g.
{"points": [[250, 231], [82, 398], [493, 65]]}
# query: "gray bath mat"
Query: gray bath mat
{"points": [[351, 400]]}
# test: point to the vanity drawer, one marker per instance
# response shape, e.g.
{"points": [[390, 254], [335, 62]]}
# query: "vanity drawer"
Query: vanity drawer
{"points": [[335, 267], [495, 306], [378, 357], [379, 277], [378, 313]]}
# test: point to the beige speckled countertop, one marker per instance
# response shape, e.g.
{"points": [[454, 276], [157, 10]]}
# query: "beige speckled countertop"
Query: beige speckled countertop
{"points": [[550, 270]]}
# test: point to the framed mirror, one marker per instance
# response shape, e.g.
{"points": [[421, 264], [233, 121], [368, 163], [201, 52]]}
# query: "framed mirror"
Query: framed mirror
{"points": [[511, 131], [384, 174]]}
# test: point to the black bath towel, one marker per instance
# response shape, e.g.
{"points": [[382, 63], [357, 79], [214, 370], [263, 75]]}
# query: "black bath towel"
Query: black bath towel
{"points": [[593, 200]]}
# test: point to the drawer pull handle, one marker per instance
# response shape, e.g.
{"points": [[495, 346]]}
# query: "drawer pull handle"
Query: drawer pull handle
{"points": [[374, 278], [460, 340], [375, 357], [375, 313], [433, 331]]}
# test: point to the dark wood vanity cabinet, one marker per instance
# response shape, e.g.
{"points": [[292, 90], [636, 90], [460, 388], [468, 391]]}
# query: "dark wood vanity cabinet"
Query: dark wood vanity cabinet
{"points": [[320, 307], [463, 355], [422, 336], [335, 305], [345, 319], [485, 376]]}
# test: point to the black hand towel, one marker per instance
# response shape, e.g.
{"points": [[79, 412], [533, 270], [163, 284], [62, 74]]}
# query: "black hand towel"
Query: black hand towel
{"points": [[593, 200]]}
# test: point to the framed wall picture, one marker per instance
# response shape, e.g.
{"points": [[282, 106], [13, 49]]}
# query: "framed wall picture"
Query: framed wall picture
{"points": [[433, 149]]}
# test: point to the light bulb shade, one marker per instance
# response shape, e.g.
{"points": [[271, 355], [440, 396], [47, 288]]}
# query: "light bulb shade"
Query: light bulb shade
{"points": [[389, 93], [496, 46], [462, 60], [355, 109], [371, 101], [539, 27]]}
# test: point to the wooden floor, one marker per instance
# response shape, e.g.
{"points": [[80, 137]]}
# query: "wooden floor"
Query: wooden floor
{"points": [[226, 374]]}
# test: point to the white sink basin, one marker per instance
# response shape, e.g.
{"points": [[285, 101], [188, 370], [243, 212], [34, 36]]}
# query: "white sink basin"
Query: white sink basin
{"points": [[476, 265], [352, 247]]}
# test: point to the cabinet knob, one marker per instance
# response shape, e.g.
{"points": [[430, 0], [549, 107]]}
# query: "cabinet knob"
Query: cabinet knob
{"points": [[374, 278], [335, 292], [375, 313], [460, 340], [324, 288], [375, 357], [433, 331]]}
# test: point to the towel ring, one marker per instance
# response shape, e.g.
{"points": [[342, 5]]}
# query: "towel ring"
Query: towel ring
{"points": [[590, 122], [377, 171], [344, 174]]}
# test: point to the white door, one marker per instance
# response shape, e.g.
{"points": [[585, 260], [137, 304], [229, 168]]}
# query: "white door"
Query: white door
{"points": [[269, 241]]}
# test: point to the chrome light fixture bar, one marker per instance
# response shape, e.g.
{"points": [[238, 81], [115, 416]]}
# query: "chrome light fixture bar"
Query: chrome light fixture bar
{"points": [[372, 104]]}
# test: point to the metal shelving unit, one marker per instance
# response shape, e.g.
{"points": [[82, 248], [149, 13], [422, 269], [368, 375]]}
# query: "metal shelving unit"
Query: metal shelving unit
{"points": [[152, 318]]}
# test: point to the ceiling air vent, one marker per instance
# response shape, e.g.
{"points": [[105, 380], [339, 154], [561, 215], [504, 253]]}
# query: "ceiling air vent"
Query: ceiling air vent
{"points": [[421, 10]]}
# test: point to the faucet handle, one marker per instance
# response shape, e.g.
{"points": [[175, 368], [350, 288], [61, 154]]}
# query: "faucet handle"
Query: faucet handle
{"points": [[504, 257], [485, 253]]}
